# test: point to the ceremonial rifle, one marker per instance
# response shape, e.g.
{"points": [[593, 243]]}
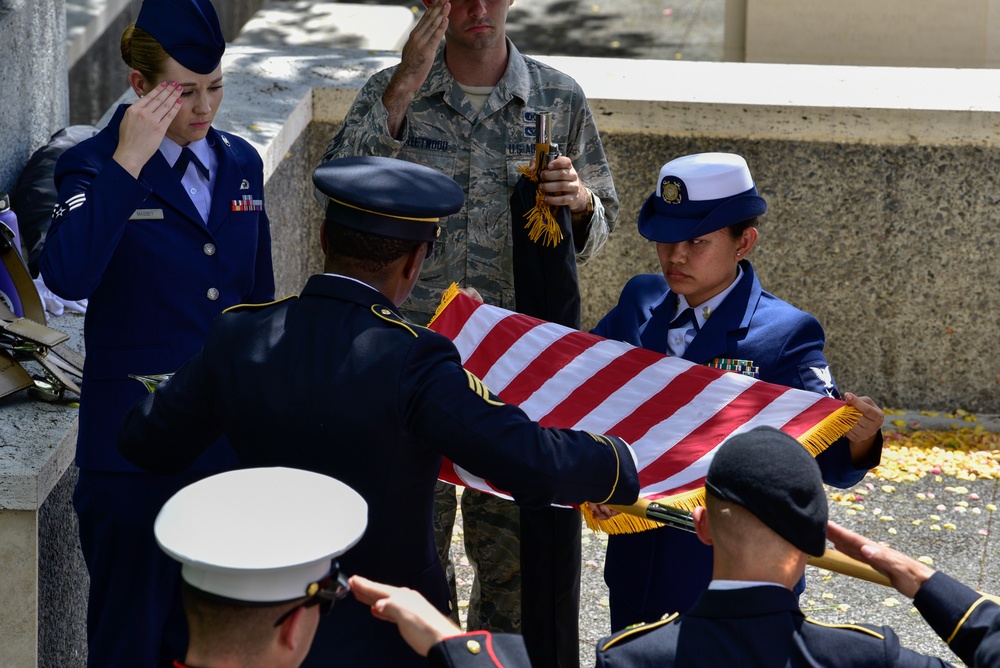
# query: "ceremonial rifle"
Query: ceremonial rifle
{"points": [[832, 560]]}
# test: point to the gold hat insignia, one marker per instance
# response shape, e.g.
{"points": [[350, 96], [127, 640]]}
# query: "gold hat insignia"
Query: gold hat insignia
{"points": [[671, 192]]}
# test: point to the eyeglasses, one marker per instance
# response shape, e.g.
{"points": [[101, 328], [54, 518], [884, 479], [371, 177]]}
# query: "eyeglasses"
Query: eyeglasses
{"points": [[324, 593]]}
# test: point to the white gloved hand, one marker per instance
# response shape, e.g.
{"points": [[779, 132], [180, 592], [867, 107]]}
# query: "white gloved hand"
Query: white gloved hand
{"points": [[57, 305]]}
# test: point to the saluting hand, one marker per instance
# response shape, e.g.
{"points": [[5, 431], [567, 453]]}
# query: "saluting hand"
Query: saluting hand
{"points": [[144, 125], [906, 574], [422, 44], [415, 63], [420, 624]]}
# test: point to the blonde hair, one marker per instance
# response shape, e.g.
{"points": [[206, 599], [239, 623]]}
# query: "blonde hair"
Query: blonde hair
{"points": [[143, 53]]}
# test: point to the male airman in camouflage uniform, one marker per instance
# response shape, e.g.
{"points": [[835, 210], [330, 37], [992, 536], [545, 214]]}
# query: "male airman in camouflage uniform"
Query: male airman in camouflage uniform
{"points": [[467, 108]]}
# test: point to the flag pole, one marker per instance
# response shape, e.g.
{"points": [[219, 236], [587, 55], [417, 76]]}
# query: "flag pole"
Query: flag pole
{"points": [[832, 560]]}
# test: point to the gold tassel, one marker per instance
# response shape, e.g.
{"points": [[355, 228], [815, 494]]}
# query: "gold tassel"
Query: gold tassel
{"points": [[542, 222], [446, 297]]}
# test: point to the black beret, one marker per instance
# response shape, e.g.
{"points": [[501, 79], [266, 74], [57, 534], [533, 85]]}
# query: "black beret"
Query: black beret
{"points": [[389, 197], [188, 30], [770, 474]]}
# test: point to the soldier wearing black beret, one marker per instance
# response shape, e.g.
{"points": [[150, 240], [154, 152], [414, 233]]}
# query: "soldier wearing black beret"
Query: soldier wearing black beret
{"points": [[336, 381], [763, 522]]}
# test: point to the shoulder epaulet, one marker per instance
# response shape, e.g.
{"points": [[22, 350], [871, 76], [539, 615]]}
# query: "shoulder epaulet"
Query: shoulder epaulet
{"points": [[257, 307], [637, 630], [850, 627], [389, 315]]}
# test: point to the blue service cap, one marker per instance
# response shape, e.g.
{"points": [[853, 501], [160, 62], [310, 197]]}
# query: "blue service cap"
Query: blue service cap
{"points": [[386, 196], [773, 476], [188, 30], [698, 194]]}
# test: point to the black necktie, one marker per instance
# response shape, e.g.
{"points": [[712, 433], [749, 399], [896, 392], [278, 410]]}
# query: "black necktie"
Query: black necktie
{"points": [[187, 155], [686, 318]]}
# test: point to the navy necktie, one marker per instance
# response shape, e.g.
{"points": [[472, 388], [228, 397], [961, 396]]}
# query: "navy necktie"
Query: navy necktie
{"points": [[681, 331], [187, 156]]}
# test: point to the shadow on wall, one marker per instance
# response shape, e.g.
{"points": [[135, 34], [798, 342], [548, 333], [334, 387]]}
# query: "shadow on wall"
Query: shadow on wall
{"points": [[604, 30]]}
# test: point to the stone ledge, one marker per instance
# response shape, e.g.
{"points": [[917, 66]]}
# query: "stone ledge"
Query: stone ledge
{"points": [[37, 440]]}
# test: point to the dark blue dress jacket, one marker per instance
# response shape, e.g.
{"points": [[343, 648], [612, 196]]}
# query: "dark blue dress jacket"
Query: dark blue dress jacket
{"points": [[763, 627], [662, 571], [480, 649], [154, 273], [336, 381]]}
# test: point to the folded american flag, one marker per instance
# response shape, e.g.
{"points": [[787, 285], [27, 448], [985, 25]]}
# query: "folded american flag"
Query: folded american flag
{"points": [[674, 413]]}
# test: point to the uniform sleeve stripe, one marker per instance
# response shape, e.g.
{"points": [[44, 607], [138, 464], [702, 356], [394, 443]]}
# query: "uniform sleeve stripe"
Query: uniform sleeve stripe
{"points": [[480, 389], [390, 316], [850, 627], [965, 618], [237, 307], [618, 463], [643, 628]]}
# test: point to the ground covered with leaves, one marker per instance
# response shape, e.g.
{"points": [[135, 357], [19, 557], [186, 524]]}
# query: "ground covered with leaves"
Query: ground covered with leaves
{"points": [[934, 497]]}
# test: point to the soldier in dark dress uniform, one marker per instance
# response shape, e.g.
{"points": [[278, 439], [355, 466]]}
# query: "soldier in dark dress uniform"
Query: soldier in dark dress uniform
{"points": [[337, 381]]}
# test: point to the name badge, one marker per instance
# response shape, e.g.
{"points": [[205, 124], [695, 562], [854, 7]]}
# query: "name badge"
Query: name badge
{"points": [[147, 214]]}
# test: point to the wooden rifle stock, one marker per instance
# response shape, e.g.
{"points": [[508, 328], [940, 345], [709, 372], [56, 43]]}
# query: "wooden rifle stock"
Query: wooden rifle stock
{"points": [[831, 560]]}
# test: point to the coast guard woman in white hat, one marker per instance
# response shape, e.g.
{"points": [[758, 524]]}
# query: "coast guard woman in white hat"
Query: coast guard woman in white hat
{"points": [[708, 307], [161, 224]]}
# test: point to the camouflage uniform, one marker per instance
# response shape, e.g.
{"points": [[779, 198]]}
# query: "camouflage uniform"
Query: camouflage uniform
{"points": [[482, 151]]}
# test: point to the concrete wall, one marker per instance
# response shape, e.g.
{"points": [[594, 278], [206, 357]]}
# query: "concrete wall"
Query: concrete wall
{"points": [[908, 33], [34, 103], [882, 185], [63, 581], [897, 262]]}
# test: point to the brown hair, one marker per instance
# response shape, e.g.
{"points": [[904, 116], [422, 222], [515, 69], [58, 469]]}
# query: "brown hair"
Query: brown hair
{"points": [[142, 52], [223, 629], [736, 230]]}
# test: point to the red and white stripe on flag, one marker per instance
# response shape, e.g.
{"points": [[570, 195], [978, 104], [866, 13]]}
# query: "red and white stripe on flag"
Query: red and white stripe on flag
{"points": [[674, 413]]}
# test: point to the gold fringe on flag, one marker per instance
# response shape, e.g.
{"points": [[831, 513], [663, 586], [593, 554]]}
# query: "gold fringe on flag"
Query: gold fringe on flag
{"points": [[624, 522], [632, 519], [831, 428], [446, 298], [542, 222]]}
